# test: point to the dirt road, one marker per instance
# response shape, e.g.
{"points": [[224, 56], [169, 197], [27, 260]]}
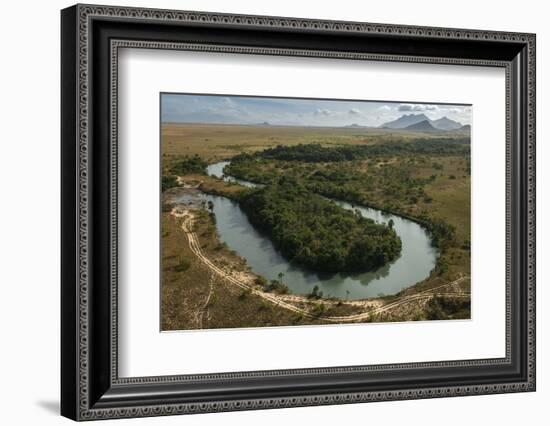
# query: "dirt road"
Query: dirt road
{"points": [[278, 300]]}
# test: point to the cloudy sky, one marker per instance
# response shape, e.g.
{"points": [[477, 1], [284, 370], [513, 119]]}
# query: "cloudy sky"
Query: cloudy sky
{"points": [[183, 108]]}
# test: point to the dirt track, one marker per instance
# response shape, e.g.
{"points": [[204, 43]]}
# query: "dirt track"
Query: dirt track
{"points": [[278, 300]]}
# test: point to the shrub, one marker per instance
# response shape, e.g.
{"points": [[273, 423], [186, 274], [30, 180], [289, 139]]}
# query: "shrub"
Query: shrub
{"points": [[244, 294], [260, 281], [167, 207], [318, 309], [183, 264], [440, 308], [168, 181]]}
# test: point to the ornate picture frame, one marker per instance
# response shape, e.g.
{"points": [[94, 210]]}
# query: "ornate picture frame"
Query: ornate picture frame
{"points": [[91, 37]]}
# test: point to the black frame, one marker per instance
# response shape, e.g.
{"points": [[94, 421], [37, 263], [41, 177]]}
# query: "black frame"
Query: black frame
{"points": [[91, 37]]}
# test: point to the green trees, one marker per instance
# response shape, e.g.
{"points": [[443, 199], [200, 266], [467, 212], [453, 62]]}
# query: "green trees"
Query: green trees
{"points": [[316, 153], [443, 308], [187, 165], [315, 293], [168, 181], [443, 234], [389, 176], [183, 264], [316, 232], [393, 176], [183, 166]]}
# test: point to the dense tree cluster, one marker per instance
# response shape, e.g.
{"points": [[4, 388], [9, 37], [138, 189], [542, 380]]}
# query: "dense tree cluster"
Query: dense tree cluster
{"points": [[443, 233], [389, 176], [343, 181], [316, 153], [316, 232], [188, 165], [183, 166]]}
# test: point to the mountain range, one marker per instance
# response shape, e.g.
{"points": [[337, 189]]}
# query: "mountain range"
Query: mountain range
{"points": [[420, 122]]}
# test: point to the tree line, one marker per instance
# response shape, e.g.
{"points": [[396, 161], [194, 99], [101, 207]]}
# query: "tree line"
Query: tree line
{"points": [[390, 189], [184, 166], [316, 232], [316, 153]]}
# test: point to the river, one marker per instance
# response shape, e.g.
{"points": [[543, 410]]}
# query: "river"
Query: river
{"points": [[415, 262]]}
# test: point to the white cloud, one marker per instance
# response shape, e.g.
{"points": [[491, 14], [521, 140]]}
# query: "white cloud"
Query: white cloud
{"points": [[417, 107], [321, 111], [228, 109]]}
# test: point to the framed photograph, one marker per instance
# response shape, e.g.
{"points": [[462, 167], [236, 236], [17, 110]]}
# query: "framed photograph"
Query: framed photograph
{"points": [[263, 212]]}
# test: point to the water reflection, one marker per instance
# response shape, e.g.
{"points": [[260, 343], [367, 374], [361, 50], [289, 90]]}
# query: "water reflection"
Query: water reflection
{"points": [[414, 264]]}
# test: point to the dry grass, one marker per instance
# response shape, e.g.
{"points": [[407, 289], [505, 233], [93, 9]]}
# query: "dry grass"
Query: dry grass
{"points": [[217, 141], [184, 293], [195, 298]]}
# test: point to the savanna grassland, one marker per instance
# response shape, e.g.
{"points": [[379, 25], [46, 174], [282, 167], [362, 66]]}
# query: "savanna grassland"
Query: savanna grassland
{"points": [[194, 297], [430, 187], [424, 177], [221, 141]]}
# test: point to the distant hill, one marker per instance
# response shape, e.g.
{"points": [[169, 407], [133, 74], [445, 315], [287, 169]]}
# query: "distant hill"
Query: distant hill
{"points": [[356, 126], [410, 122], [445, 123], [423, 126], [465, 128], [404, 121]]}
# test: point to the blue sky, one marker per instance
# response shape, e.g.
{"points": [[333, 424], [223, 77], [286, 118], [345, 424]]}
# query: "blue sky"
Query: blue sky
{"points": [[222, 109]]}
